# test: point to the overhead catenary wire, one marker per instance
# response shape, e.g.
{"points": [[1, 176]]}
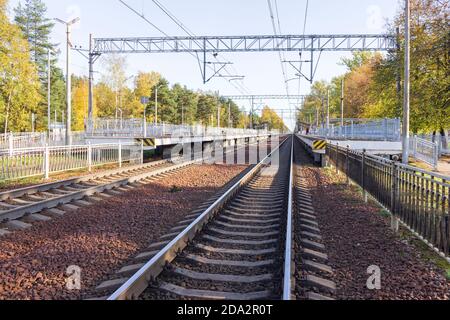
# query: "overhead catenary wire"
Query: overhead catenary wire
{"points": [[142, 16], [277, 31], [305, 21], [192, 34]]}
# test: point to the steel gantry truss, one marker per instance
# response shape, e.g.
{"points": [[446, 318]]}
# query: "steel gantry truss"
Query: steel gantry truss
{"points": [[221, 44], [265, 43], [266, 97]]}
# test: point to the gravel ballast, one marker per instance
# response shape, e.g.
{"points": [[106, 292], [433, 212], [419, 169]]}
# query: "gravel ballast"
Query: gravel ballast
{"points": [[102, 237], [358, 235]]}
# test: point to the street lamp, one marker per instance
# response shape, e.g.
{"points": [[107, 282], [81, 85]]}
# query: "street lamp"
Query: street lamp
{"points": [[156, 103], [68, 79], [406, 98]]}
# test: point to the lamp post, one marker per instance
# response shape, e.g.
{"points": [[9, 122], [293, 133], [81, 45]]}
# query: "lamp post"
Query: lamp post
{"points": [[406, 100], [68, 25], [156, 102]]}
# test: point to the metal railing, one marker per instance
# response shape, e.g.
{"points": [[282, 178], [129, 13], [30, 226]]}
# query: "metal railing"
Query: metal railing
{"points": [[43, 161], [11, 141], [139, 128], [385, 130], [442, 142], [421, 199], [425, 151]]}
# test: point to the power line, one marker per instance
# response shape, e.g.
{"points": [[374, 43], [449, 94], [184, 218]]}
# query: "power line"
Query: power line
{"points": [[142, 16], [301, 52], [190, 33]]}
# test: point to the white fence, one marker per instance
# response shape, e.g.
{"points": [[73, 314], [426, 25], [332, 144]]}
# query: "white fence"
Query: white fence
{"points": [[12, 141], [43, 161], [443, 142], [424, 150], [131, 128], [384, 130], [139, 128]]}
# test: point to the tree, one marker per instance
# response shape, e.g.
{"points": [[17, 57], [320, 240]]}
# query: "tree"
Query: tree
{"points": [[206, 109], [37, 29], [167, 109], [115, 77], [104, 99], [272, 119], [80, 92], [186, 102], [19, 85]]}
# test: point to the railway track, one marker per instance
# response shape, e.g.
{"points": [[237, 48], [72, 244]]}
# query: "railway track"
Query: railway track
{"points": [[234, 248], [313, 275], [19, 208]]}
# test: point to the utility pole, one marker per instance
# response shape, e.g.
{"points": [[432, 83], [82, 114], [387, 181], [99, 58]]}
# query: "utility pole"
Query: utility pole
{"points": [[90, 125], [328, 112], [49, 92], [317, 118], [156, 105], [68, 78], [218, 110], [182, 115], [229, 115], [342, 102], [406, 101]]}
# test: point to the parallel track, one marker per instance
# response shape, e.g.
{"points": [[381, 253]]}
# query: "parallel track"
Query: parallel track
{"points": [[236, 249], [28, 202], [41, 202]]}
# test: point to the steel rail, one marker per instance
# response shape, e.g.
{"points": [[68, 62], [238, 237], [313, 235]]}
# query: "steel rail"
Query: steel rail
{"points": [[22, 211], [288, 256], [138, 283], [35, 207], [10, 194]]}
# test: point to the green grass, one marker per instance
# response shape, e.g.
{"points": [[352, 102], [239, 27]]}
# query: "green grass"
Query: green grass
{"points": [[384, 213], [175, 189], [426, 253]]}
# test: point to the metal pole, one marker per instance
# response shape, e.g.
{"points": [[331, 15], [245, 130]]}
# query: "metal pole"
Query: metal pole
{"points": [[156, 105], [48, 92], [218, 111], [342, 102], [229, 115], [68, 90], [328, 112], [182, 115], [251, 113], [406, 101], [91, 86]]}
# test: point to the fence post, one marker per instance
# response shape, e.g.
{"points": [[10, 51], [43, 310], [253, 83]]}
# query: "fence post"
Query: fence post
{"points": [[386, 131], [352, 129], [337, 157], [439, 142], [46, 162], [435, 156], [89, 156], [142, 152], [394, 192], [347, 164], [120, 154], [363, 175], [11, 144], [415, 146]]}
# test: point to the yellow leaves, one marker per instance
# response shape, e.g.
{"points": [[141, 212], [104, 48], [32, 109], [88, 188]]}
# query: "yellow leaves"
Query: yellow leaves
{"points": [[145, 83], [272, 119], [19, 83], [80, 92]]}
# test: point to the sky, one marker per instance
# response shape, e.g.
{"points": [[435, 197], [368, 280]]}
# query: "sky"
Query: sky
{"points": [[262, 71]]}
